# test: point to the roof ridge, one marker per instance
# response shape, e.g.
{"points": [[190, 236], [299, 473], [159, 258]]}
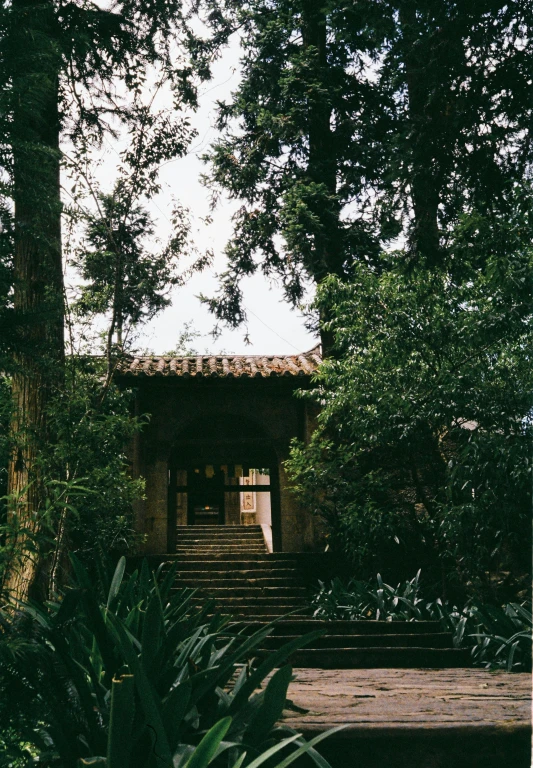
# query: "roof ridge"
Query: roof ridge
{"points": [[317, 349], [222, 366]]}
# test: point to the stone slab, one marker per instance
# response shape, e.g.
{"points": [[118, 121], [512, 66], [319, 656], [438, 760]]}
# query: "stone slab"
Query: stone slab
{"points": [[417, 718]]}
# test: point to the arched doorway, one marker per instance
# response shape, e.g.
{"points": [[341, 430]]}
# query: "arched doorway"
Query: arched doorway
{"points": [[223, 470]]}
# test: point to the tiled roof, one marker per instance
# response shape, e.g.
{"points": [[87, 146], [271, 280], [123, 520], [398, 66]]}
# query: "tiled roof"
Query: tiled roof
{"points": [[224, 366]]}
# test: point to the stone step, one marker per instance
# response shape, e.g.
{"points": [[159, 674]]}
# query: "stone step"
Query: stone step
{"points": [[253, 588], [437, 640], [240, 564], [255, 600], [186, 559], [304, 624], [224, 533], [201, 552], [268, 557], [202, 528], [211, 541], [235, 542], [231, 547], [208, 535], [249, 611], [223, 594], [219, 532], [374, 658], [236, 579], [195, 532], [241, 622]]}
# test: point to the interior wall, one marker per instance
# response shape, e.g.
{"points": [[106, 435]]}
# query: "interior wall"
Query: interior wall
{"points": [[262, 504]]}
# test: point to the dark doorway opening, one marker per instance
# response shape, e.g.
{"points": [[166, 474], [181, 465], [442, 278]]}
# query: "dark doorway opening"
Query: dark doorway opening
{"points": [[223, 471], [205, 497]]}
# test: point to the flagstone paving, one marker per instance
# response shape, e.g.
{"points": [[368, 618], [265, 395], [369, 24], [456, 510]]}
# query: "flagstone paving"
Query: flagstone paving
{"points": [[417, 718]]}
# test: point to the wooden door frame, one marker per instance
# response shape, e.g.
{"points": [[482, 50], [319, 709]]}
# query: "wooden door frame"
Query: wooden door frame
{"points": [[268, 459]]}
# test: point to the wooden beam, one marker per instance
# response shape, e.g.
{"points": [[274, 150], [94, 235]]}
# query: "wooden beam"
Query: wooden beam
{"points": [[227, 488]]}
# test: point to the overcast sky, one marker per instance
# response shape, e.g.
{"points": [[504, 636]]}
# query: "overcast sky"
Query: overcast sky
{"points": [[272, 326]]}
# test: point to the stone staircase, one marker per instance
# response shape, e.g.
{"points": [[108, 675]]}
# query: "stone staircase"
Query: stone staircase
{"points": [[369, 644], [231, 565]]}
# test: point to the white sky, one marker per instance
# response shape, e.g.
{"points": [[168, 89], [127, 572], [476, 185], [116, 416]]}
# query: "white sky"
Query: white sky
{"points": [[272, 326]]}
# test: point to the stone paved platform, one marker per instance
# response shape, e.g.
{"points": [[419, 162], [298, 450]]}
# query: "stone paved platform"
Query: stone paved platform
{"points": [[417, 718]]}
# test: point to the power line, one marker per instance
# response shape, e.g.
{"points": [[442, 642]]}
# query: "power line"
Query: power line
{"points": [[271, 329]]}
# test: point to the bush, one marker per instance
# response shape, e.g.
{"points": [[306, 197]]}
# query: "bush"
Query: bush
{"points": [[85, 474], [93, 426], [422, 452]]}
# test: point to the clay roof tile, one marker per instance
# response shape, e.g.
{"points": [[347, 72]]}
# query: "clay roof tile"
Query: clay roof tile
{"points": [[228, 366]]}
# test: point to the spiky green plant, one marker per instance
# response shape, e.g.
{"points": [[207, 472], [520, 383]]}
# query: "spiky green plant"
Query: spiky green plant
{"points": [[500, 637], [366, 600], [144, 679]]}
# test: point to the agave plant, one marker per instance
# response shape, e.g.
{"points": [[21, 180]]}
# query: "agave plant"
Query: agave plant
{"points": [[143, 680], [363, 600], [211, 746], [500, 636], [504, 636]]}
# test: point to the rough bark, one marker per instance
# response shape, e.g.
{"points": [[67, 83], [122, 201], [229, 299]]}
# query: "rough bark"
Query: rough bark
{"points": [[424, 182], [322, 162], [38, 276]]}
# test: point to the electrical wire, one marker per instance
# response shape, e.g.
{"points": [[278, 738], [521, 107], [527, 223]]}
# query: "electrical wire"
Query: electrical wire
{"points": [[271, 329]]}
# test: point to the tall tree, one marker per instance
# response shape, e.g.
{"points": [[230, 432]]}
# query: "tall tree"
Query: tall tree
{"points": [[33, 63], [292, 146], [422, 455], [64, 67], [123, 278], [358, 122], [461, 79]]}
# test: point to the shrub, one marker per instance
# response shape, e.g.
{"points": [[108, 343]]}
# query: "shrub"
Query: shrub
{"points": [[422, 451]]}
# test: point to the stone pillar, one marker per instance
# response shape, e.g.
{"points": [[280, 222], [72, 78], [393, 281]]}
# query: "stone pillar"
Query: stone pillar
{"points": [[155, 523]]}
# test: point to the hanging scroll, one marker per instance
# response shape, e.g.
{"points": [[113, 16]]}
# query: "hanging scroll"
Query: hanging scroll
{"points": [[248, 497]]}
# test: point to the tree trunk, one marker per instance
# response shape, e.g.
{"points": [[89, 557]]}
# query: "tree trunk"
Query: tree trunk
{"points": [[328, 257], [423, 136], [38, 276]]}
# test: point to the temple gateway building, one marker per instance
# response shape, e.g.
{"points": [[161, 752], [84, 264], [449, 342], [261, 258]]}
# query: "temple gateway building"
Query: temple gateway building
{"points": [[212, 454]]}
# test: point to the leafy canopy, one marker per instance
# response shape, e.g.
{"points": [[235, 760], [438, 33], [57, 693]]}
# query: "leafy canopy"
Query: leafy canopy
{"points": [[357, 123], [422, 452]]}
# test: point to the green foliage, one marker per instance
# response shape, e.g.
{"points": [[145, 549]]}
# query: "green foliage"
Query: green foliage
{"points": [[280, 154], [120, 275], [359, 122], [41, 538], [71, 75], [358, 600], [86, 474], [94, 428], [186, 344], [422, 454], [77, 71], [503, 636], [137, 679], [500, 637]]}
